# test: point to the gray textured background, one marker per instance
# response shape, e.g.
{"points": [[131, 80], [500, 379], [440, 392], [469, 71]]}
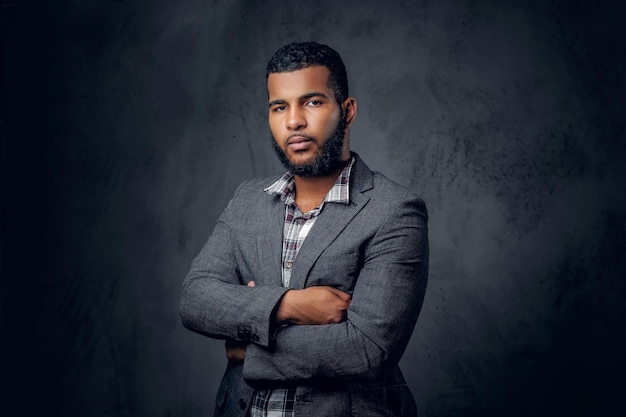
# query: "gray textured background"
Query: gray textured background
{"points": [[126, 126]]}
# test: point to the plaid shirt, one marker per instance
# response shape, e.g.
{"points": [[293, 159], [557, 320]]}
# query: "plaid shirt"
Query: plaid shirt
{"points": [[280, 402]]}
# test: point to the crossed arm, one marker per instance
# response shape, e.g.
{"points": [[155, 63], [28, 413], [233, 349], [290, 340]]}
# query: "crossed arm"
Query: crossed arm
{"points": [[310, 306], [343, 338]]}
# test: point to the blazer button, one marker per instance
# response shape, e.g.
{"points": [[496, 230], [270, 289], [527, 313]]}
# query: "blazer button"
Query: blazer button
{"points": [[242, 404]]}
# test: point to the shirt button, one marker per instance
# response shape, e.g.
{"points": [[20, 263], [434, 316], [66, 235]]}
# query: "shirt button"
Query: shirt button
{"points": [[289, 264]]}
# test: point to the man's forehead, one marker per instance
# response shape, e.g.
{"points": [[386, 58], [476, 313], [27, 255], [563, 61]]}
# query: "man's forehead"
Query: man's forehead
{"points": [[298, 81]]}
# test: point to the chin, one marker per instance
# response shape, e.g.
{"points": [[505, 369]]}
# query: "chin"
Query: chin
{"points": [[301, 159]]}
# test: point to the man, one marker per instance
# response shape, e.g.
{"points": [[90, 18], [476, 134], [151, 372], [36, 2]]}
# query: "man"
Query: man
{"points": [[315, 279]]}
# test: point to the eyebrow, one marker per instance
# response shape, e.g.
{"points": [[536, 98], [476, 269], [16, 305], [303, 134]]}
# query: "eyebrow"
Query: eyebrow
{"points": [[300, 99]]}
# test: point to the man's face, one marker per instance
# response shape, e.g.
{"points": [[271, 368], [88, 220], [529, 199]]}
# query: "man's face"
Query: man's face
{"points": [[306, 122]]}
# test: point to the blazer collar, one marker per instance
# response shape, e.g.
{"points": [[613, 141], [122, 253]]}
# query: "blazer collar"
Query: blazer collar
{"points": [[362, 177]]}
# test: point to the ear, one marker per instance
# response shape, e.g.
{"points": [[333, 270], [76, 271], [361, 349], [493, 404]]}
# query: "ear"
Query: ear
{"points": [[349, 109]]}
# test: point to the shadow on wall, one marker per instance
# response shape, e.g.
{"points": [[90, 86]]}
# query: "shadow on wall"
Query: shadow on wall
{"points": [[127, 127]]}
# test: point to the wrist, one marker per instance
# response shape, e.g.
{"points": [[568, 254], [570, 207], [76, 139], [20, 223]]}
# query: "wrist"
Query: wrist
{"points": [[284, 312]]}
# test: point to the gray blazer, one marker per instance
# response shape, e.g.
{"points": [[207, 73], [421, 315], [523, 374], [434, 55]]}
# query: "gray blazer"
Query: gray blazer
{"points": [[375, 248]]}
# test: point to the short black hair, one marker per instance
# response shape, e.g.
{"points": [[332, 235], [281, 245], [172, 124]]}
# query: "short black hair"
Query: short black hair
{"points": [[299, 55]]}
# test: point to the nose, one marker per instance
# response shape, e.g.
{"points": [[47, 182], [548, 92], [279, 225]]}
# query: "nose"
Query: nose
{"points": [[295, 118]]}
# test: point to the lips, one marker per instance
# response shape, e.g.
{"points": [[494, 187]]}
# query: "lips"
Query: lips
{"points": [[299, 143]]}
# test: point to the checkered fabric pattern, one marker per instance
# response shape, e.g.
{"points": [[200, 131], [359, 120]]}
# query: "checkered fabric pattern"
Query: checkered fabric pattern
{"points": [[277, 403], [280, 402]]}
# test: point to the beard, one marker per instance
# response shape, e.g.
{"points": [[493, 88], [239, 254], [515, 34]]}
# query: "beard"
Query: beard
{"points": [[323, 164]]}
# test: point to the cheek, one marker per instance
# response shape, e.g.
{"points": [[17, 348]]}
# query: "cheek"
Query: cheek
{"points": [[330, 124]]}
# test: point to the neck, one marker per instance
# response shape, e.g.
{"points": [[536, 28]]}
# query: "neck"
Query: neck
{"points": [[311, 191]]}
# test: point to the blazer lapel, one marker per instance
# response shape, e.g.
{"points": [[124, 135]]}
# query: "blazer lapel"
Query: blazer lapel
{"points": [[269, 241], [331, 222]]}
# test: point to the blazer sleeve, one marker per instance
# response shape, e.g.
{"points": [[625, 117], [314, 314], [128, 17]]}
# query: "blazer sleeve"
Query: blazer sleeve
{"points": [[386, 302], [215, 300]]}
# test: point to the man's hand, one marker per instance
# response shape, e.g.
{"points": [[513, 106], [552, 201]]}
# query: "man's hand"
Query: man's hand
{"points": [[235, 351], [313, 305]]}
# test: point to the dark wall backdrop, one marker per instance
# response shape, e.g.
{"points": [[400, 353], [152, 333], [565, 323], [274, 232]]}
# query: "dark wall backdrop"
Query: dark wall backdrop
{"points": [[127, 125]]}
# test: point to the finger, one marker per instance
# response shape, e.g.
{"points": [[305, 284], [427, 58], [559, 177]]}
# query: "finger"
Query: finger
{"points": [[341, 294], [251, 284]]}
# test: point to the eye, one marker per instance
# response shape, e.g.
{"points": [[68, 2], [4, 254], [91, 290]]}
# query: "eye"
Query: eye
{"points": [[277, 109], [314, 103]]}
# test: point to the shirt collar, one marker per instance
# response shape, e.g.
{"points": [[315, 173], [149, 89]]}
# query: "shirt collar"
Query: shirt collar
{"points": [[339, 193]]}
